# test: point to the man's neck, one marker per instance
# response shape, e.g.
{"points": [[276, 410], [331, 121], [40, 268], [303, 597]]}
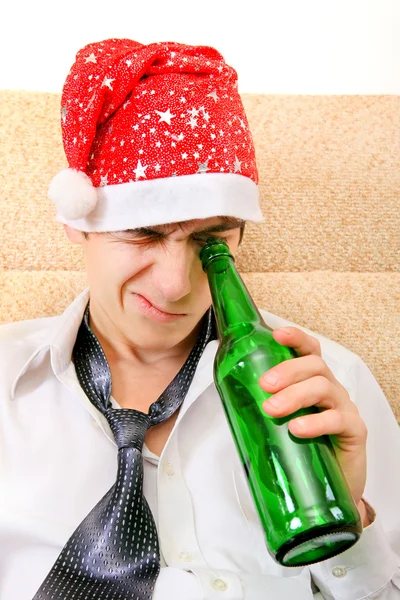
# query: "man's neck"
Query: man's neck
{"points": [[120, 351]]}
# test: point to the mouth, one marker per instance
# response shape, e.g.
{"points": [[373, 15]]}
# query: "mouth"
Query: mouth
{"points": [[153, 311]]}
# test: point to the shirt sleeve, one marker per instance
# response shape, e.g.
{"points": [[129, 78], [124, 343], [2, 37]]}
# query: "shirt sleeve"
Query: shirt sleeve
{"points": [[371, 568]]}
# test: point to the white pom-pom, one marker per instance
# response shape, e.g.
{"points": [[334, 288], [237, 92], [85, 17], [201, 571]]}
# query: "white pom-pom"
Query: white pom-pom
{"points": [[73, 194]]}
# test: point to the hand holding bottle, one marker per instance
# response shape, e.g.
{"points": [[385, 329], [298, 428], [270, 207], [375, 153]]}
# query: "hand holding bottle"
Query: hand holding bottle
{"points": [[307, 381]]}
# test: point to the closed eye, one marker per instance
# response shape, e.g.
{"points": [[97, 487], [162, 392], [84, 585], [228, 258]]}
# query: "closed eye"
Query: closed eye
{"points": [[139, 235], [143, 232], [144, 236]]}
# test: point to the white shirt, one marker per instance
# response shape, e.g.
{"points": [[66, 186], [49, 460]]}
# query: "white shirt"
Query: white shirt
{"points": [[58, 458]]}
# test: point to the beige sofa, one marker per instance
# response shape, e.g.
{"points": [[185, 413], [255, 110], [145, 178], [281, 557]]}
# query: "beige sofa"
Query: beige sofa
{"points": [[327, 256]]}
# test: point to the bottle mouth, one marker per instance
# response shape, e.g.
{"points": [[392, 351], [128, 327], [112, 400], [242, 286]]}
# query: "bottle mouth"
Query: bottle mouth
{"points": [[213, 249]]}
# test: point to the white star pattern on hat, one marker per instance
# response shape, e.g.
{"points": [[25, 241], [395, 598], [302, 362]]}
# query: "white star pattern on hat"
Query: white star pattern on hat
{"points": [[192, 122], [107, 83], [165, 116], [91, 58], [238, 165], [140, 170], [213, 95], [203, 167]]}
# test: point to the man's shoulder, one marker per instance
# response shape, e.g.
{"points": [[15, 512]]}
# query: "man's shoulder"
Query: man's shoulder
{"points": [[21, 341], [25, 333], [331, 351]]}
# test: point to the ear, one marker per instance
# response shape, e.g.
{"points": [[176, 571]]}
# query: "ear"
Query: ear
{"points": [[74, 236]]}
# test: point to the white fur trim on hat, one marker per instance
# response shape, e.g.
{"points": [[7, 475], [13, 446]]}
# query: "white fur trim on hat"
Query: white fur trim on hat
{"points": [[170, 200], [73, 194]]}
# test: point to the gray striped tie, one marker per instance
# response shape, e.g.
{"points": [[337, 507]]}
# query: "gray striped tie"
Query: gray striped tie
{"points": [[114, 553]]}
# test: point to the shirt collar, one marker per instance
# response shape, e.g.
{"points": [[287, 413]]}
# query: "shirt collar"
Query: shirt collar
{"points": [[60, 338]]}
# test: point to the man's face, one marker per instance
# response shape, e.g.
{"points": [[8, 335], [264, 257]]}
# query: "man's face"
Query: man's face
{"points": [[147, 286]]}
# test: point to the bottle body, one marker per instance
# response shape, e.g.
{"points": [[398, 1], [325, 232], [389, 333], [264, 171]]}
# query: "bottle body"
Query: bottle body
{"points": [[299, 490]]}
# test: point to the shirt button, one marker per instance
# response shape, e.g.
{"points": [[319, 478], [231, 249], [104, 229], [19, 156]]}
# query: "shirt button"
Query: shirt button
{"points": [[185, 557], [339, 571], [169, 469], [220, 585]]}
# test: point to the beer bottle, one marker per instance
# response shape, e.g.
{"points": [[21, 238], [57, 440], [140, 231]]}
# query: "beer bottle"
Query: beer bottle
{"points": [[299, 490]]}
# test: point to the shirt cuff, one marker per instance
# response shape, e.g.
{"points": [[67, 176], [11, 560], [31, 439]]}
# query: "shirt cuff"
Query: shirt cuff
{"points": [[360, 571]]}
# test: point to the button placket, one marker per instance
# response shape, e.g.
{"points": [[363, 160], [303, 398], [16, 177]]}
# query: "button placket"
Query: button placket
{"points": [[339, 571], [220, 585], [177, 532], [185, 556], [168, 469]]}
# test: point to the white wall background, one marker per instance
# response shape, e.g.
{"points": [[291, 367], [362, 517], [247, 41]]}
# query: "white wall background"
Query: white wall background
{"points": [[277, 46]]}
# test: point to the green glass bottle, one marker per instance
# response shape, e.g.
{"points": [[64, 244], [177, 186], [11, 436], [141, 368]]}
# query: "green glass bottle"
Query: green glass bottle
{"points": [[303, 500]]}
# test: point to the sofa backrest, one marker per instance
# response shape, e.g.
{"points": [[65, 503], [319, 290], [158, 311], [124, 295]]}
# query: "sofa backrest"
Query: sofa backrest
{"points": [[327, 256]]}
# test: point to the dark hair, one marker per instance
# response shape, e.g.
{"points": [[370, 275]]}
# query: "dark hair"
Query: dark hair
{"points": [[86, 234], [241, 233]]}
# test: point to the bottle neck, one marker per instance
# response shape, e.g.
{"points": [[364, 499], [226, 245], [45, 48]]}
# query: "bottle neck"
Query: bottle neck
{"points": [[233, 305]]}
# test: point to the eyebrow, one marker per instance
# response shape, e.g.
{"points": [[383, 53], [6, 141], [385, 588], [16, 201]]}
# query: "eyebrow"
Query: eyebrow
{"points": [[226, 225]]}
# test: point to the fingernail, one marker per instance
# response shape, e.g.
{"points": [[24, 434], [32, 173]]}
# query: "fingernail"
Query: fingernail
{"points": [[286, 330], [271, 378]]}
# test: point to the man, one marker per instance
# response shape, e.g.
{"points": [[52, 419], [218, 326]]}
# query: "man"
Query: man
{"points": [[116, 397]]}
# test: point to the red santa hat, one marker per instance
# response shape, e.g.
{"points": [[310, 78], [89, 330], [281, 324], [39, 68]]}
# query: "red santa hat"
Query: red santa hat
{"points": [[153, 134]]}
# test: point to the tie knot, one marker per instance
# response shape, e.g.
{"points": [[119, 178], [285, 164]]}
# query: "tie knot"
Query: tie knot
{"points": [[129, 427]]}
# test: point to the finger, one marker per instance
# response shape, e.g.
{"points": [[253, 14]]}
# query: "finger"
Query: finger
{"points": [[349, 428], [295, 370], [301, 342], [316, 391]]}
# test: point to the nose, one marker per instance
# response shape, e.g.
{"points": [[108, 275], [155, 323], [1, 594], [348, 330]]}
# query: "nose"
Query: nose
{"points": [[172, 272]]}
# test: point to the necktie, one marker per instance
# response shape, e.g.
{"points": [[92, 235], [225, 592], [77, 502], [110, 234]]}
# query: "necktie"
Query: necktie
{"points": [[114, 553]]}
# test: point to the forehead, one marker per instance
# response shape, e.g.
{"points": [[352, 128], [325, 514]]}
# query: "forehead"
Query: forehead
{"points": [[209, 224]]}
